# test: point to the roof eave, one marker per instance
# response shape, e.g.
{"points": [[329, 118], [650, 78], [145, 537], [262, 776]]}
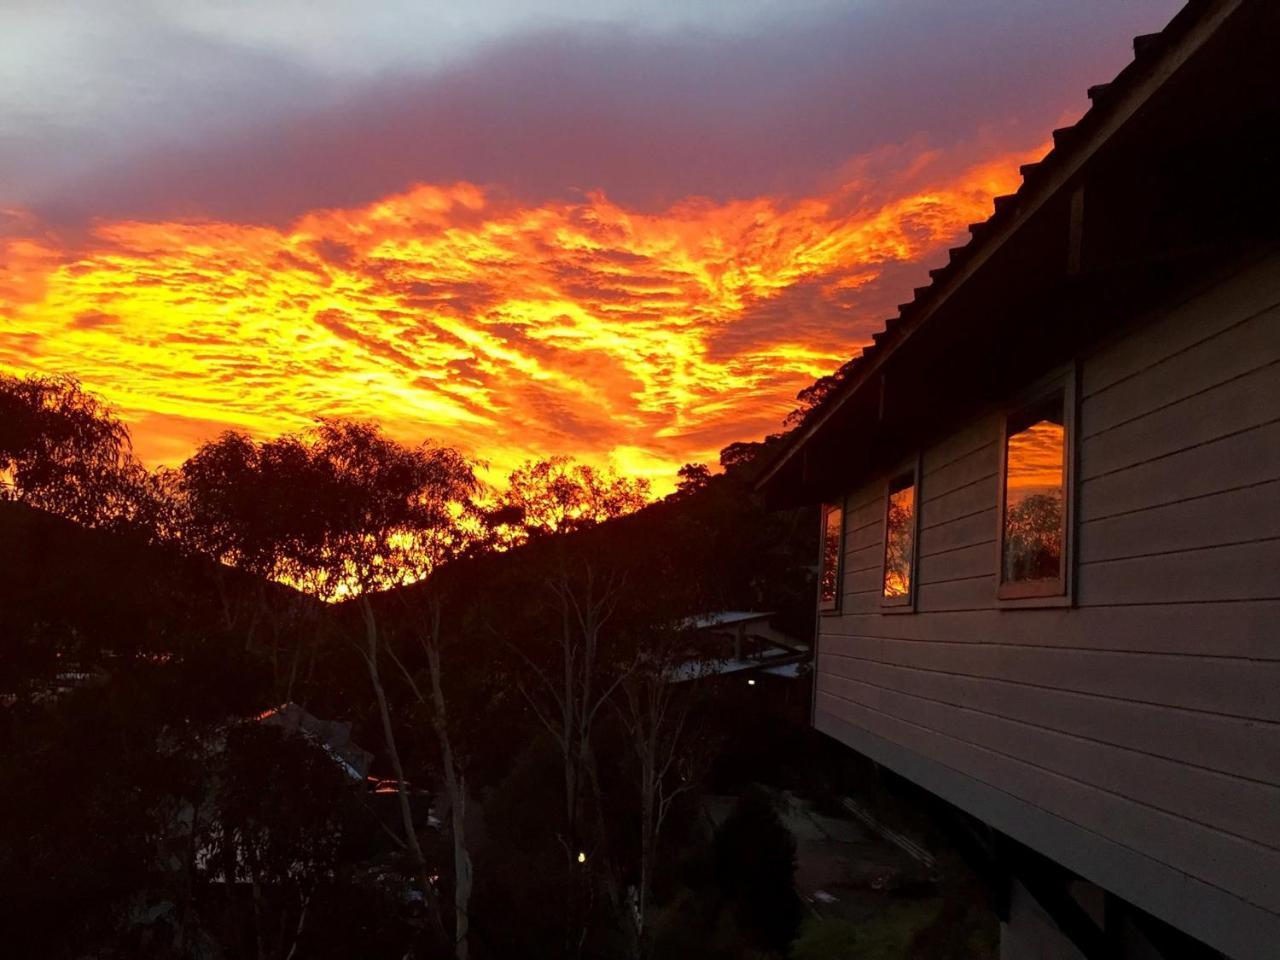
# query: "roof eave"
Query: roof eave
{"points": [[1053, 174]]}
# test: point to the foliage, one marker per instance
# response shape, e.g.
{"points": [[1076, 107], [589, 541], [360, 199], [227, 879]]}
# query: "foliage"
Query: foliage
{"points": [[755, 865], [62, 450], [340, 509], [277, 818], [276, 810], [343, 511], [255, 505], [691, 478], [557, 495], [815, 396]]}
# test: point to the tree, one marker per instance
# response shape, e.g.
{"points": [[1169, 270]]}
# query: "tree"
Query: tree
{"points": [[432, 698], [277, 824], [344, 512], [815, 396], [259, 507], [395, 517], [567, 700], [64, 451], [256, 506], [557, 495], [744, 459], [394, 513], [691, 478], [670, 757]]}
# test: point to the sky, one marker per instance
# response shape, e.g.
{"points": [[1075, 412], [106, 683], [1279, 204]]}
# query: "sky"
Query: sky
{"points": [[624, 232]]}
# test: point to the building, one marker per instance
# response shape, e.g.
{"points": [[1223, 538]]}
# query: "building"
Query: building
{"points": [[1051, 565], [741, 635]]}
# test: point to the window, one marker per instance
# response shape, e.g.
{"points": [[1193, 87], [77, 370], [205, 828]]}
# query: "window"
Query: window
{"points": [[832, 542], [1033, 523], [899, 541]]}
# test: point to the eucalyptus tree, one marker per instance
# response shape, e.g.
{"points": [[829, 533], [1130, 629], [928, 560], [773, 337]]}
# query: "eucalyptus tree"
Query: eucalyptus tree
{"points": [[64, 451], [343, 513], [557, 495]]}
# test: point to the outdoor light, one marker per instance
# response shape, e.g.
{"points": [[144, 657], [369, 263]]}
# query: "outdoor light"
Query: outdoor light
{"points": [[751, 683], [582, 857]]}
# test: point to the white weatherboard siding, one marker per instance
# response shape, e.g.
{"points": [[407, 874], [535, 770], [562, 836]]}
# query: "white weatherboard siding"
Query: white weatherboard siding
{"points": [[1134, 736]]}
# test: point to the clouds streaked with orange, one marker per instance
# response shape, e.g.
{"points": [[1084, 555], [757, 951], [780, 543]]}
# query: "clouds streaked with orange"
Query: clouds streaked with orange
{"points": [[511, 330]]}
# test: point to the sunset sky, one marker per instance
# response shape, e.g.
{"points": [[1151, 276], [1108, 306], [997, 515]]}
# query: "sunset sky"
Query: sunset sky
{"points": [[624, 232]]}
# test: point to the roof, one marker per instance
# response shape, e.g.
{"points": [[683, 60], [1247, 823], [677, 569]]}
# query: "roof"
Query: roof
{"points": [[333, 736], [1156, 57], [724, 618], [778, 661]]}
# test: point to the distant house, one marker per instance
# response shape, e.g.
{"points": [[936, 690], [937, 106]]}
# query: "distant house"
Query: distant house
{"points": [[743, 634], [332, 736], [1051, 567], [738, 642]]}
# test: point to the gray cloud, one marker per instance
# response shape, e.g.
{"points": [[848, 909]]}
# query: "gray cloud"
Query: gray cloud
{"points": [[257, 132]]}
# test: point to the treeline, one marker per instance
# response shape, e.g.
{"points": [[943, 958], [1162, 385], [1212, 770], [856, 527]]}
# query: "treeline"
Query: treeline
{"points": [[506, 654]]}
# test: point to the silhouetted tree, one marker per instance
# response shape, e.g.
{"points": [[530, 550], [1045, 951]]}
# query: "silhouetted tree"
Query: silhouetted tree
{"points": [[655, 712], [64, 451], [395, 515], [691, 478], [567, 695], [259, 507], [429, 692], [815, 396], [345, 512], [557, 495], [276, 821], [746, 458]]}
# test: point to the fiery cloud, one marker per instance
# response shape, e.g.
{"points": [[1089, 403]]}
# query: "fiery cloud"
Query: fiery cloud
{"points": [[509, 329]]}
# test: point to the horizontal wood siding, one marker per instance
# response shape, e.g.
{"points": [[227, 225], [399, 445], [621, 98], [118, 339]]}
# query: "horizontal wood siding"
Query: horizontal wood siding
{"points": [[1147, 714]]}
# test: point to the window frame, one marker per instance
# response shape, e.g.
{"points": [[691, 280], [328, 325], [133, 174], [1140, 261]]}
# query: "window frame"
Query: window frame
{"points": [[907, 602], [835, 605], [1051, 591]]}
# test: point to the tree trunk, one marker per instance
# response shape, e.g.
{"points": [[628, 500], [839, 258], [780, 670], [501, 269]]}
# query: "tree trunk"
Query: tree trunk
{"points": [[393, 754], [457, 789]]}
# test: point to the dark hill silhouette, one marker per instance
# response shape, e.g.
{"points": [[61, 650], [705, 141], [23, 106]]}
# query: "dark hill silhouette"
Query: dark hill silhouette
{"points": [[76, 598]]}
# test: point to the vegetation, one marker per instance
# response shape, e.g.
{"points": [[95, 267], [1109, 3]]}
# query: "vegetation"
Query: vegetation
{"points": [[324, 695]]}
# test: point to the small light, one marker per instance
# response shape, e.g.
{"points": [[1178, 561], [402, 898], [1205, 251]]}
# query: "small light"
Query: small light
{"points": [[751, 683], [582, 857]]}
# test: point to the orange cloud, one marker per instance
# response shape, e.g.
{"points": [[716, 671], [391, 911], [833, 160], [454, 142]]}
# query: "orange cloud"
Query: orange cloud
{"points": [[511, 330]]}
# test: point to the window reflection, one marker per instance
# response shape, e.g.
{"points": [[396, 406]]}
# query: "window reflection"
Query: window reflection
{"points": [[1034, 515], [899, 538], [832, 526]]}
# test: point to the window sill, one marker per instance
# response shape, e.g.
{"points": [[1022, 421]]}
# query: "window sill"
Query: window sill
{"points": [[1023, 599], [903, 605]]}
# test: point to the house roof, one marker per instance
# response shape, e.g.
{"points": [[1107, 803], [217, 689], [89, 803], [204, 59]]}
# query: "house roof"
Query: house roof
{"points": [[723, 618], [778, 661], [333, 736], [1157, 57]]}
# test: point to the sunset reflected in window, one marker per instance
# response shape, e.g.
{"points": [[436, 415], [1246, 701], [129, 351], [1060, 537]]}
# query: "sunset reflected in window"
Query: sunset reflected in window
{"points": [[829, 585], [899, 538], [1034, 517]]}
